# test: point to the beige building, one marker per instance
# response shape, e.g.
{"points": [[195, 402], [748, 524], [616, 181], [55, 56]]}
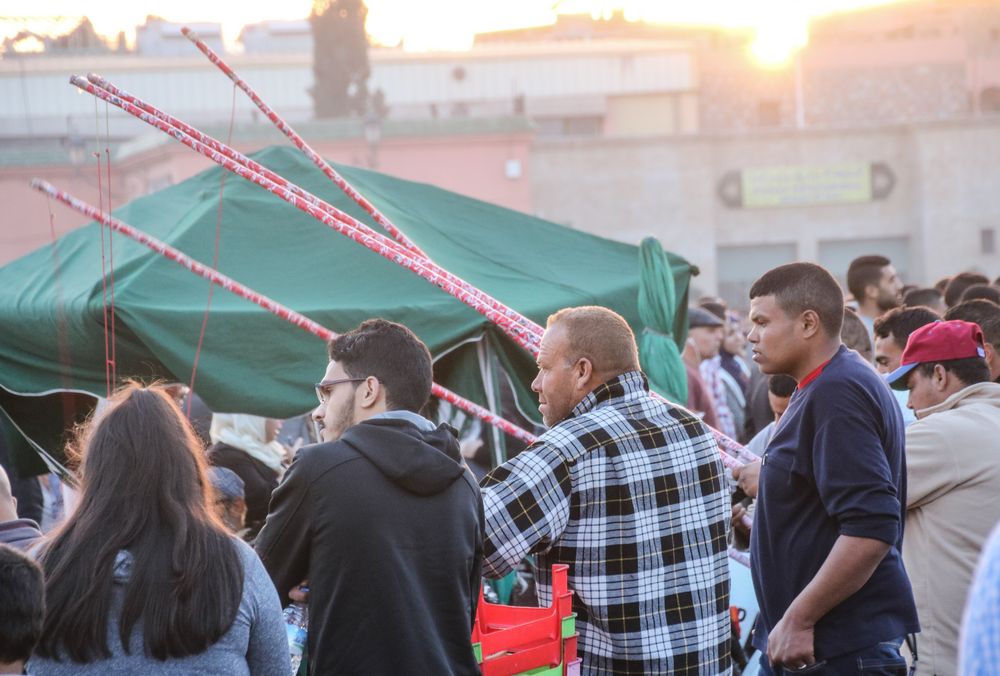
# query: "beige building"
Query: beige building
{"points": [[882, 136]]}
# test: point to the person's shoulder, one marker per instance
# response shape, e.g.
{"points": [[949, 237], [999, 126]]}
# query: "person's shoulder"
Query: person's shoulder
{"points": [[847, 372], [601, 425], [932, 432], [325, 454], [219, 453], [954, 426], [313, 463]]}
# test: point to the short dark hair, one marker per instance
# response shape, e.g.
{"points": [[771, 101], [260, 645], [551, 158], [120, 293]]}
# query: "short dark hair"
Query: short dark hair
{"points": [[854, 333], [926, 296], [798, 287], [864, 270], [942, 284], [959, 283], [393, 354], [900, 322], [983, 291], [22, 604], [781, 385], [970, 370], [982, 312]]}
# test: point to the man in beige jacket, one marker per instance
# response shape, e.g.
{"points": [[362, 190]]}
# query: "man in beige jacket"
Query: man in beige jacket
{"points": [[953, 478]]}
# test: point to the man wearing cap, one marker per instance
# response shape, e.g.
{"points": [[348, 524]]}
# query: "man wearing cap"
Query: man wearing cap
{"points": [[953, 477], [704, 341], [230, 499]]}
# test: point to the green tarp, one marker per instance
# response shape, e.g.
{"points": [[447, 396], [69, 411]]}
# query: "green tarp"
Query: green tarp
{"points": [[53, 335]]}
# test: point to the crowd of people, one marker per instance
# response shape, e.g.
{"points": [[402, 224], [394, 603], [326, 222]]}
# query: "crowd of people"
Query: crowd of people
{"points": [[874, 415]]}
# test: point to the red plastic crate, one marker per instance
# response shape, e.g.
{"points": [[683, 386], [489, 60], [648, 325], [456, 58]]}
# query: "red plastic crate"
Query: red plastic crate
{"points": [[517, 639]]}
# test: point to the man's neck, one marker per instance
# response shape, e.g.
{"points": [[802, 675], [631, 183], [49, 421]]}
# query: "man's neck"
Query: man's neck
{"points": [[815, 358], [869, 309], [12, 667]]}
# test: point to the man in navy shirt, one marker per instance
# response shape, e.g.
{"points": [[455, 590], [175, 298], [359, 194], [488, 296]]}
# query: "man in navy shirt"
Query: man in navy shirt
{"points": [[826, 539]]}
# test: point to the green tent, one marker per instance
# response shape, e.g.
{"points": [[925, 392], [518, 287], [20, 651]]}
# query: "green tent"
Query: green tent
{"points": [[53, 338]]}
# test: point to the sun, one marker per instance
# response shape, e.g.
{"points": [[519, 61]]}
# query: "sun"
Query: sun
{"points": [[777, 40]]}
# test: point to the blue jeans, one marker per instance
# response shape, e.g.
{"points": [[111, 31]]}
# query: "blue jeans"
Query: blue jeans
{"points": [[882, 658]]}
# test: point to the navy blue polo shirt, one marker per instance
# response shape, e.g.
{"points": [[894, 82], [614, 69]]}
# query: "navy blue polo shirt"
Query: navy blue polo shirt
{"points": [[834, 466]]}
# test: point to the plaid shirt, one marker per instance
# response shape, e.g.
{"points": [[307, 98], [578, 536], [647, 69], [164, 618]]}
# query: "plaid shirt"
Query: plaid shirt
{"points": [[628, 491], [711, 373]]}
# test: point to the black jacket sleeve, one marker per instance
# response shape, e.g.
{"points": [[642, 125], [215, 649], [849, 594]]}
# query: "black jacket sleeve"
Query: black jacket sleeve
{"points": [[476, 580], [283, 544]]}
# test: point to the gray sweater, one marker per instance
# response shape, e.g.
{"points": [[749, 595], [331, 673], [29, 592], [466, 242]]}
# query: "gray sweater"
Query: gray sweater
{"points": [[255, 645]]}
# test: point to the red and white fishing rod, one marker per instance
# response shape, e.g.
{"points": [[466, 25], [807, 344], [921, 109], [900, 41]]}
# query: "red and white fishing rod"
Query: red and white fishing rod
{"points": [[525, 332], [522, 330], [300, 143], [259, 299], [272, 306]]}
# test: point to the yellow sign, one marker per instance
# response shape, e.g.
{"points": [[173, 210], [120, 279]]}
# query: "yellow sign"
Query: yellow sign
{"points": [[807, 184]]}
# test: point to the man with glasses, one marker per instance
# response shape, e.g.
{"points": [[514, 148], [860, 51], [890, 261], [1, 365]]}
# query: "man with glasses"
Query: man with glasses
{"points": [[381, 518]]}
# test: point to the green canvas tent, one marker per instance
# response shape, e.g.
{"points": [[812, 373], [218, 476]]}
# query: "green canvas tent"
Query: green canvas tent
{"points": [[51, 310]]}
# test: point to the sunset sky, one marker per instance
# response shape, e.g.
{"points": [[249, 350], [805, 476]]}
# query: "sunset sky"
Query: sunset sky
{"points": [[439, 24]]}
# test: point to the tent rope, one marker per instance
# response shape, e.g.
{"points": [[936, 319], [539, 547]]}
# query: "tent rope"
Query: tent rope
{"points": [[104, 284], [111, 248], [62, 330], [104, 261], [215, 260]]}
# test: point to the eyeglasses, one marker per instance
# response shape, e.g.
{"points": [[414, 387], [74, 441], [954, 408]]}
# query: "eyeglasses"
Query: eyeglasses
{"points": [[323, 388]]}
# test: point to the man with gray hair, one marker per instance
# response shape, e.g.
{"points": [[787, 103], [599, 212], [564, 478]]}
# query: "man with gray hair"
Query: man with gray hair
{"points": [[629, 492]]}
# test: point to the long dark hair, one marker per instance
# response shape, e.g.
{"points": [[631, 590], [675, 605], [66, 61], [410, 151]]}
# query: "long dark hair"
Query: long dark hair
{"points": [[144, 490]]}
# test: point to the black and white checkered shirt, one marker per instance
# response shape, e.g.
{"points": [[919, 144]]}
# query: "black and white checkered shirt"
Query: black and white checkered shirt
{"points": [[629, 492]]}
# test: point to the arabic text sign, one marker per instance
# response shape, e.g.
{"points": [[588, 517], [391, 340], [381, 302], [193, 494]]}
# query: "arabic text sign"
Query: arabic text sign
{"points": [[807, 184]]}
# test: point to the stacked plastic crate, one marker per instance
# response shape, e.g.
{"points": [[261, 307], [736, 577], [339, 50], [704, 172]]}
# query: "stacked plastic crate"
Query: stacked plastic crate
{"points": [[511, 640]]}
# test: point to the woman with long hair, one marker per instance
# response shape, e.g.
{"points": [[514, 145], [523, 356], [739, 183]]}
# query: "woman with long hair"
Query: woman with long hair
{"points": [[142, 577]]}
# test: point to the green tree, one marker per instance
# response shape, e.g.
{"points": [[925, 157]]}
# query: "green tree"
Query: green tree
{"points": [[340, 58]]}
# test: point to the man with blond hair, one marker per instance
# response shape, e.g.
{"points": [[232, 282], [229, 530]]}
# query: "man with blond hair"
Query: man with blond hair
{"points": [[628, 491]]}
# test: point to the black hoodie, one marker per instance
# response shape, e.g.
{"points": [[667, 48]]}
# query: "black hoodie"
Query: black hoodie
{"points": [[387, 526]]}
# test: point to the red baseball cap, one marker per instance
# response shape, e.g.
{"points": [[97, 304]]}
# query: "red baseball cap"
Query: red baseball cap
{"points": [[936, 342]]}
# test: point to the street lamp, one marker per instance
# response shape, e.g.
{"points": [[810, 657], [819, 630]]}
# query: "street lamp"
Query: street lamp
{"points": [[373, 136]]}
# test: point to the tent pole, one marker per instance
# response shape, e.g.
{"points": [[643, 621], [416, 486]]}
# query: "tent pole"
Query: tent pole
{"points": [[486, 372], [301, 144], [525, 332], [521, 329], [258, 299]]}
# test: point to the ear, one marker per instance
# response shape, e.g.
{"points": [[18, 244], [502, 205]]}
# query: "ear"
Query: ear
{"points": [[369, 392], [871, 291], [583, 371], [991, 354], [810, 323], [940, 378]]}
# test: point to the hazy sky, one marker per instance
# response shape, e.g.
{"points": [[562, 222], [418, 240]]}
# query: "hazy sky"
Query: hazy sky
{"points": [[435, 24]]}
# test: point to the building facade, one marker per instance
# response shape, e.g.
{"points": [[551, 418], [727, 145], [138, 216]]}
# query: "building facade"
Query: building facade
{"points": [[880, 137]]}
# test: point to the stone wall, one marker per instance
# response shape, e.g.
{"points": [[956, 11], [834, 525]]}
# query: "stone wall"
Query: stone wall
{"points": [[946, 191]]}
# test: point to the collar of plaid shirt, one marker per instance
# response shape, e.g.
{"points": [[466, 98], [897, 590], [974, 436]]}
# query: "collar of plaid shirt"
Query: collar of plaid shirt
{"points": [[628, 385]]}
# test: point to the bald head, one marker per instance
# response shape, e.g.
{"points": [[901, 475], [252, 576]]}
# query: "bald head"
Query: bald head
{"points": [[8, 506], [599, 335]]}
